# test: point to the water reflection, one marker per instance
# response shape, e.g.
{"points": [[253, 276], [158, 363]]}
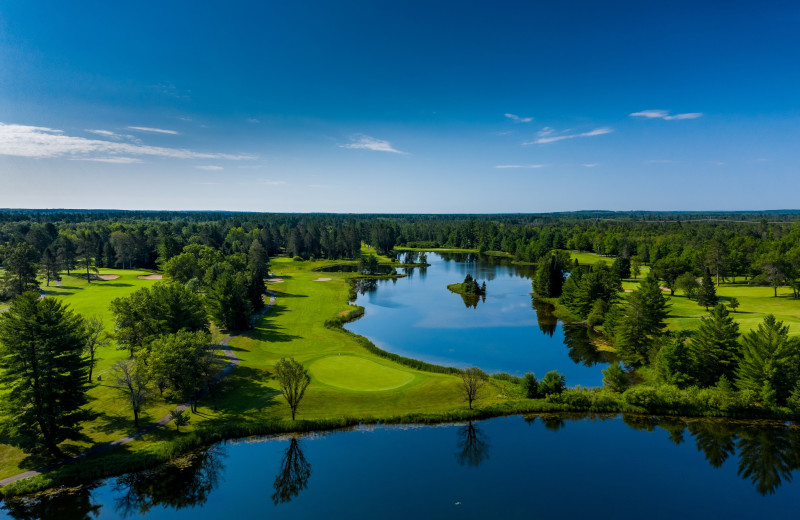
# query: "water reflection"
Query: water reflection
{"points": [[293, 475], [580, 344], [545, 318], [186, 482], [768, 452], [72, 504], [363, 286], [473, 446]]}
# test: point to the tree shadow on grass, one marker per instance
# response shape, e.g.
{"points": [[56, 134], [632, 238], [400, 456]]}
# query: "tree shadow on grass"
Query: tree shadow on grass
{"points": [[243, 394]]}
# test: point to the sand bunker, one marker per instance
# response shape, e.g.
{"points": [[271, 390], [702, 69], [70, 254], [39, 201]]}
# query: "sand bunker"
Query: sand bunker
{"points": [[275, 280], [101, 277], [665, 289], [150, 277], [627, 290], [323, 279]]}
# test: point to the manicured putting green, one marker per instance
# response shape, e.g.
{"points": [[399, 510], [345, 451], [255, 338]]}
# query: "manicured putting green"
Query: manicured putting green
{"points": [[358, 373]]}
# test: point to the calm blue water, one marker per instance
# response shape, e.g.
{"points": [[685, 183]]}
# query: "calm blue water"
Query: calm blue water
{"points": [[420, 318], [540, 467]]}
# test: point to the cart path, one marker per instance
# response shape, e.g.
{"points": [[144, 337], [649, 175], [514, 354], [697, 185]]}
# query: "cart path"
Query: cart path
{"points": [[233, 362]]}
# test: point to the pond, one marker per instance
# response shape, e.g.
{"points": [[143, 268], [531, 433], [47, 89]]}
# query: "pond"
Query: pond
{"points": [[419, 317], [545, 466]]}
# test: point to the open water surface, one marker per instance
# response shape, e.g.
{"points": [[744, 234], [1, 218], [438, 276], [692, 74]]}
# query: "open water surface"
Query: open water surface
{"points": [[545, 466], [419, 317]]}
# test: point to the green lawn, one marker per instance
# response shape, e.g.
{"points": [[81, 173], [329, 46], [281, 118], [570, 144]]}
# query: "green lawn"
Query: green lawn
{"points": [[112, 416]]}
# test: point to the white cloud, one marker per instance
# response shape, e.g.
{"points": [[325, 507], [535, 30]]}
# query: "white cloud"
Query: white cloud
{"points": [[545, 132], [518, 119], [591, 165], [365, 142], [664, 114], [42, 142], [112, 160], [210, 168], [716, 163], [506, 166], [154, 130], [553, 139], [253, 120], [113, 135]]}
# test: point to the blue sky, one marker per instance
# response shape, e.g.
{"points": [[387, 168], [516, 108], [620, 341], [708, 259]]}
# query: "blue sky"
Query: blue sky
{"points": [[409, 106]]}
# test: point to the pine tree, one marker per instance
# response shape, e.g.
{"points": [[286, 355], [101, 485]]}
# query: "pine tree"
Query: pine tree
{"points": [[707, 296], [49, 266], [714, 349], [769, 355], [20, 270], [643, 318], [43, 372]]}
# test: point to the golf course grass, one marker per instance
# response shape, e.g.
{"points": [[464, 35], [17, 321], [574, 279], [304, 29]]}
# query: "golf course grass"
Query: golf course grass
{"points": [[358, 373]]}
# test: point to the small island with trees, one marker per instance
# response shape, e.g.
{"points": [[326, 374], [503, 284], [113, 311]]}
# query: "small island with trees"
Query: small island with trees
{"points": [[471, 292]]}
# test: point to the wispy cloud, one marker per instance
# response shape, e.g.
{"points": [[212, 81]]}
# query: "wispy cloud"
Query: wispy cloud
{"points": [[42, 142], [518, 119], [271, 182], [590, 165], [547, 138], [545, 132], [507, 166], [365, 142], [253, 120], [664, 114], [210, 168], [153, 130], [716, 163], [113, 135], [112, 160]]}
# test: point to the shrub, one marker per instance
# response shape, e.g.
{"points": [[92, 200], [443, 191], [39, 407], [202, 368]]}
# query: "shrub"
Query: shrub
{"points": [[553, 383], [615, 378], [530, 386]]}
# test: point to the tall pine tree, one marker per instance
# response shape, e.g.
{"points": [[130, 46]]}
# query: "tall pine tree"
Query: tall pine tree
{"points": [[714, 348], [43, 373]]}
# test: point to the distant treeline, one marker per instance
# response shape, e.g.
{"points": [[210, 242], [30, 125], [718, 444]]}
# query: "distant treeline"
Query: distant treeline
{"points": [[148, 239]]}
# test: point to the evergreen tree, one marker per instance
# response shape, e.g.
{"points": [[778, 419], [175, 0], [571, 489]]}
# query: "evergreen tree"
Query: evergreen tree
{"points": [[548, 281], [643, 319], [20, 270], [228, 302], [714, 348], [672, 364], [87, 243], [43, 372], [66, 252], [769, 358], [49, 266], [707, 295]]}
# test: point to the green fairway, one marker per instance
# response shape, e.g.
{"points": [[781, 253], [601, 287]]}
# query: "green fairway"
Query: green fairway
{"points": [[357, 373]]}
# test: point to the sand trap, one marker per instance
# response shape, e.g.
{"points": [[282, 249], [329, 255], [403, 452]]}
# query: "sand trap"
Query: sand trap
{"points": [[627, 290], [323, 279], [150, 277], [275, 280], [665, 289], [102, 277]]}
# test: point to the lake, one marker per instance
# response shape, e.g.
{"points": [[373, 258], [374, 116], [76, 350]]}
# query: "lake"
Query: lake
{"points": [[419, 317], [544, 466]]}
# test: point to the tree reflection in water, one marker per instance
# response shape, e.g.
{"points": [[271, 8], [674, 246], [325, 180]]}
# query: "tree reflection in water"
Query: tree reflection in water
{"points": [[768, 452], [473, 446], [581, 349], [293, 475], [545, 318], [186, 482], [70, 504]]}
